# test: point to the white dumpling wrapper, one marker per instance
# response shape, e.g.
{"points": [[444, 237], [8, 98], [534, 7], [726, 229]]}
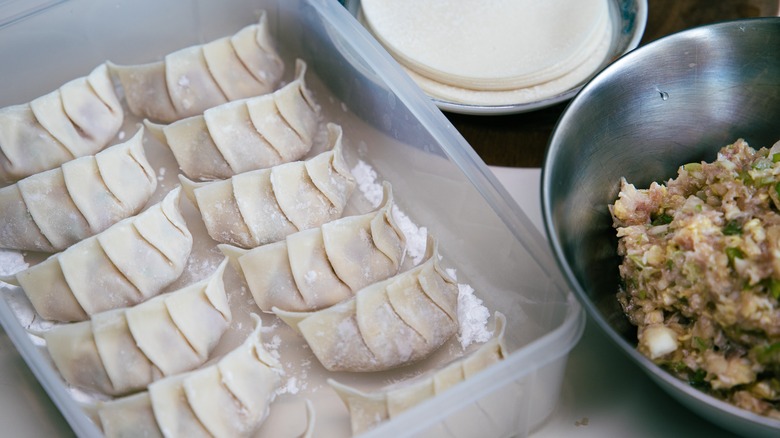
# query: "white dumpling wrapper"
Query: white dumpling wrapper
{"points": [[124, 265], [229, 398], [243, 135], [124, 350], [368, 409], [54, 209], [80, 118], [263, 206], [383, 325], [191, 80], [319, 267]]}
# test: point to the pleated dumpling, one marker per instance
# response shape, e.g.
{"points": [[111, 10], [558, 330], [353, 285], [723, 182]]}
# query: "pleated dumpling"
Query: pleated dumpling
{"points": [[244, 135], [193, 79], [80, 118], [229, 398], [51, 210], [262, 206], [317, 268], [130, 262], [385, 325], [124, 350], [368, 409]]}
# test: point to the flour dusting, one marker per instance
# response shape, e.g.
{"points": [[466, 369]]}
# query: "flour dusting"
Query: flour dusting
{"points": [[472, 317], [366, 179], [11, 262]]}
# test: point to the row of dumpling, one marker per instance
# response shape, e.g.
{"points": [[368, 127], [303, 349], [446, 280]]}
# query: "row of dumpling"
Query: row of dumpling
{"points": [[335, 280], [131, 336], [84, 115], [114, 261], [51, 210]]}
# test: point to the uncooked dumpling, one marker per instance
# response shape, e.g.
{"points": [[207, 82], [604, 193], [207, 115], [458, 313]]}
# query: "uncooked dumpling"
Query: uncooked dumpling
{"points": [[244, 135], [229, 398], [388, 324], [124, 350], [130, 262], [320, 267], [262, 206], [368, 409], [193, 79], [52, 210], [78, 119]]}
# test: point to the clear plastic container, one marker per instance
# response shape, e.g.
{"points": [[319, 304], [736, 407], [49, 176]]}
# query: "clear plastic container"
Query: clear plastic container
{"points": [[438, 180]]}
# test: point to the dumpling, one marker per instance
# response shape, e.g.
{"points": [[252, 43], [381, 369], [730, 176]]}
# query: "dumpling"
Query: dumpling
{"points": [[123, 350], [130, 262], [193, 79], [320, 267], [51, 210], [80, 118], [385, 325], [368, 409], [229, 398], [263, 206], [244, 135]]}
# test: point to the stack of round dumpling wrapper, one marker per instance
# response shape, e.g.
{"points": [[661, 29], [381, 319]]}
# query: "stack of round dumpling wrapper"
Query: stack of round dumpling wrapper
{"points": [[493, 53]]}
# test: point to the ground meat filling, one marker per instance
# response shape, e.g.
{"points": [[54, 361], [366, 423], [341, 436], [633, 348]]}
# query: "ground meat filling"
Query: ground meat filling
{"points": [[701, 273]]}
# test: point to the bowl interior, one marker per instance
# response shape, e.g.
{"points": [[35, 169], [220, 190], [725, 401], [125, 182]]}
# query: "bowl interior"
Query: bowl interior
{"points": [[674, 101]]}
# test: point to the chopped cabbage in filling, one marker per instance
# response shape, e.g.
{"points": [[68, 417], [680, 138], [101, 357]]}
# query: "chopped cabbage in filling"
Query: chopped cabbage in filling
{"points": [[700, 274]]}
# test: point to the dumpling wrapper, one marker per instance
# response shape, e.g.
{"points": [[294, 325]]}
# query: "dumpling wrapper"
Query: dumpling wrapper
{"points": [[319, 267], [244, 135], [124, 265], [385, 325], [369, 409], [228, 398], [263, 206], [78, 119], [191, 80], [52, 210]]}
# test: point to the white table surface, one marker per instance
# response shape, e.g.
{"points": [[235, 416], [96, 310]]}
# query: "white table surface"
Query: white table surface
{"points": [[604, 394]]}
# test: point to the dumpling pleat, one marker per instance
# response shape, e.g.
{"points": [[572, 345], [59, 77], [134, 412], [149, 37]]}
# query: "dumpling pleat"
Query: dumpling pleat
{"points": [[389, 337], [126, 365], [237, 139], [100, 273], [191, 86], [81, 198], [367, 409], [263, 206], [316, 268], [26, 147], [134, 346], [129, 416], [80, 118], [376, 318], [257, 204], [312, 271], [193, 79], [173, 414], [228, 398], [52, 209], [230, 73], [244, 135], [255, 47]]}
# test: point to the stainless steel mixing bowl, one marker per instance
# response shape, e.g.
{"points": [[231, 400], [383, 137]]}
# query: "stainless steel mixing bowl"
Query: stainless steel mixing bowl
{"points": [[676, 100]]}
